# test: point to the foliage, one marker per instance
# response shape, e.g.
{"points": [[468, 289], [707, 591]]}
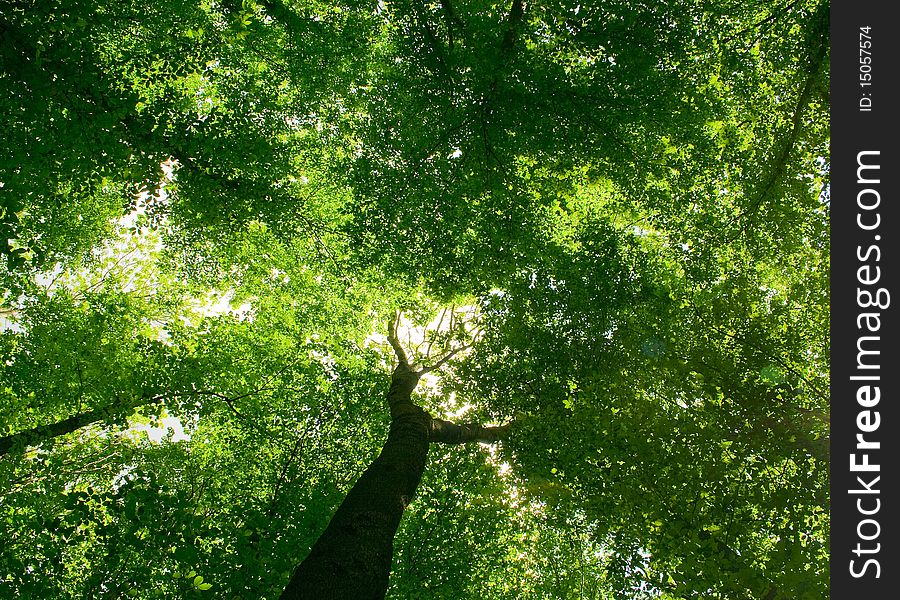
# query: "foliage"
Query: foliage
{"points": [[209, 209]]}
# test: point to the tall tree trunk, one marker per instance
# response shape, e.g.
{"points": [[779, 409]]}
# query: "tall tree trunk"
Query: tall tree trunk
{"points": [[352, 558]]}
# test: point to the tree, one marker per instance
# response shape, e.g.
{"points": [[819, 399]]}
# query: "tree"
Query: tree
{"points": [[352, 557], [209, 209]]}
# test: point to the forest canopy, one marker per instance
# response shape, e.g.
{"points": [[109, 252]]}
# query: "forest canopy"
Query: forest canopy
{"points": [[606, 222]]}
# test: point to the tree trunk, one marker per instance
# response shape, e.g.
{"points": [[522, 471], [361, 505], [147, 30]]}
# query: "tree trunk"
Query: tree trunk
{"points": [[352, 558]]}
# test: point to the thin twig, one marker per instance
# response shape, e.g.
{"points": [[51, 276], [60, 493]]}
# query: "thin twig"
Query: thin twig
{"points": [[444, 360]]}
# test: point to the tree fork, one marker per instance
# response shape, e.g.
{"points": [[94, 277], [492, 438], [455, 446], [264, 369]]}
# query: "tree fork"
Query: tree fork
{"points": [[352, 557]]}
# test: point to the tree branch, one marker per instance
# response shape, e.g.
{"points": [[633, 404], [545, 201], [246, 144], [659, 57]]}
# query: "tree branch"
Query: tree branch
{"points": [[444, 360], [516, 11], [394, 342], [42, 433], [447, 432]]}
